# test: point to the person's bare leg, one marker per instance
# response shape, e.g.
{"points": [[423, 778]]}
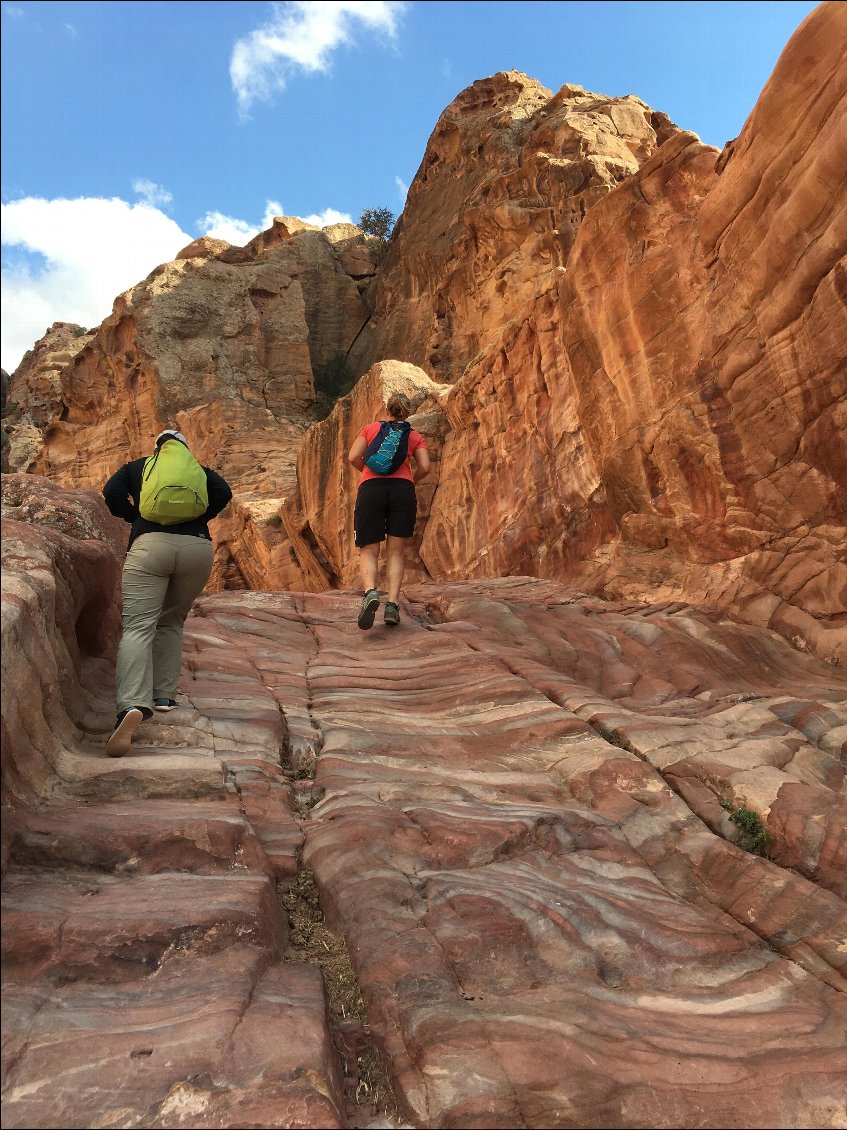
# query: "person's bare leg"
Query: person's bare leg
{"points": [[368, 563], [395, 564]]}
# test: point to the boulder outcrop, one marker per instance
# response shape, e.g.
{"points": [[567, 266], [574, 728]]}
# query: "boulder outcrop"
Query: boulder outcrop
{"points": [[525, 810], [32, 397], [508, 175]]}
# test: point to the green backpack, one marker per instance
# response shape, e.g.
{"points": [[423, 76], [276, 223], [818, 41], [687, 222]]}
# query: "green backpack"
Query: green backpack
{"points": [[173, 486]]}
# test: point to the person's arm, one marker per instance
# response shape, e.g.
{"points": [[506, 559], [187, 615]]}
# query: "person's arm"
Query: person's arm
{"points": [[219, 493], [356, 455], [420, 457], [118, 495]]}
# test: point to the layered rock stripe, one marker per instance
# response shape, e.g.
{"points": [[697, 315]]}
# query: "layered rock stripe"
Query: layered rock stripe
{"points": [[511, 805]]}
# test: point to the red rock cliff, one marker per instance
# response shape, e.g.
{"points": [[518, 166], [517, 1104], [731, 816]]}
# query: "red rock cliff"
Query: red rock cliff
{"points": [[647, 339]]}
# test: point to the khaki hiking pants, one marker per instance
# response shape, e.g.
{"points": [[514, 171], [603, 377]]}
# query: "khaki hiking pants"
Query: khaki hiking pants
{"points": [[162, 575]]}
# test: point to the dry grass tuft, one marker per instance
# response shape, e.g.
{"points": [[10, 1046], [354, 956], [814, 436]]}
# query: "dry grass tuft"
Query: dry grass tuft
{"points": [[312, 942]]}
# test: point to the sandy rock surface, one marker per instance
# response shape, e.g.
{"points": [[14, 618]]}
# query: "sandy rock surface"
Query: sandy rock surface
{"points": [[517, 810]]}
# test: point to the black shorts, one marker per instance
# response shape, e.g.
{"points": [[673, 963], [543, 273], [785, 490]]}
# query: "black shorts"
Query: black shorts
{"points": [[385, 506]]}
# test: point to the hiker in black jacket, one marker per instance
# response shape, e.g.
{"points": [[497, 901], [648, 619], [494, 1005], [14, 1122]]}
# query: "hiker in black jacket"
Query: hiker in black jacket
{"points": [[166, 567]]}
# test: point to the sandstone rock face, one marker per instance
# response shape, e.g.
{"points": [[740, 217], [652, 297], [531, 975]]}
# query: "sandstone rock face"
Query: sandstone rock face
{"points": [[222, 343], [34, 396], [652, 398], [518, 809], [5, 380], [508, 174], [61, 623]]}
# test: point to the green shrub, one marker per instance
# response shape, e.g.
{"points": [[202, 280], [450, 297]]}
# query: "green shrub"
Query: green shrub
{"points": [[377, 221], [753, 835]]}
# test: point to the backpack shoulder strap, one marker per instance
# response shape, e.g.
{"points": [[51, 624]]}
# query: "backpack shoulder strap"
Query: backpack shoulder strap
{"points": [[149, 464]]}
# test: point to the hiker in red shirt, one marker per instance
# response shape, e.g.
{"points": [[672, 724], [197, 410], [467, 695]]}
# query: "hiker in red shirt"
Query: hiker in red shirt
{"points": [[386, 504]]}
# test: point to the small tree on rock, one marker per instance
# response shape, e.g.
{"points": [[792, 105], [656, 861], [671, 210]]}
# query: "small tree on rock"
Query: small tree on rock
{"points": [[377, 221]]}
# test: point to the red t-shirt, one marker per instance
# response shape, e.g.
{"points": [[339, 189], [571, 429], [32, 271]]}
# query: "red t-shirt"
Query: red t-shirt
{"points": [[404, 471]]}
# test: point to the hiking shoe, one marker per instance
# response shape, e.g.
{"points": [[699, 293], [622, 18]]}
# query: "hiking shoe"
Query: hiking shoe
{"points": [[392, 613], [367, 609], [163, 704], [126, 723]]}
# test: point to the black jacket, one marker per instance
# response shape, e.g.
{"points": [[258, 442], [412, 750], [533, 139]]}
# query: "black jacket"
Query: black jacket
{"points": [[123, 491]]}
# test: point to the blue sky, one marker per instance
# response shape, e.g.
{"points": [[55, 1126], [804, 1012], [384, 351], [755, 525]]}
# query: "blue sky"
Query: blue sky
{"points": [[128, 129]]}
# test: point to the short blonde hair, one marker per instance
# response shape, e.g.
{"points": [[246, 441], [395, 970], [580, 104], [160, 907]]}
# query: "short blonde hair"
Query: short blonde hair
{"points": [[399, 406]]}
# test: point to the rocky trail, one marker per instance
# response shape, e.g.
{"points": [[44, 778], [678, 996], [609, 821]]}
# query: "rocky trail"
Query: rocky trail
{"points": [[518, 812]]}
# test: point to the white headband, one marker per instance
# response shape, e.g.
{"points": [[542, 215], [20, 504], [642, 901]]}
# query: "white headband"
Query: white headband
{"points": [[171, 433]]}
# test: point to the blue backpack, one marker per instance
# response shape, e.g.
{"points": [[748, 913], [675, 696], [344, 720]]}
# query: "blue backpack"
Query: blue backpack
{"points": [[389, 448]]}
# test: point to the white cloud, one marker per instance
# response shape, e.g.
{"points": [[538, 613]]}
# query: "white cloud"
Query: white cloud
{"points": [[302, 34], [402, 188], [217, 225], [11, 10], [70, 29], [272, 209], [95, 249], [150, 192], [327, 217]]}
